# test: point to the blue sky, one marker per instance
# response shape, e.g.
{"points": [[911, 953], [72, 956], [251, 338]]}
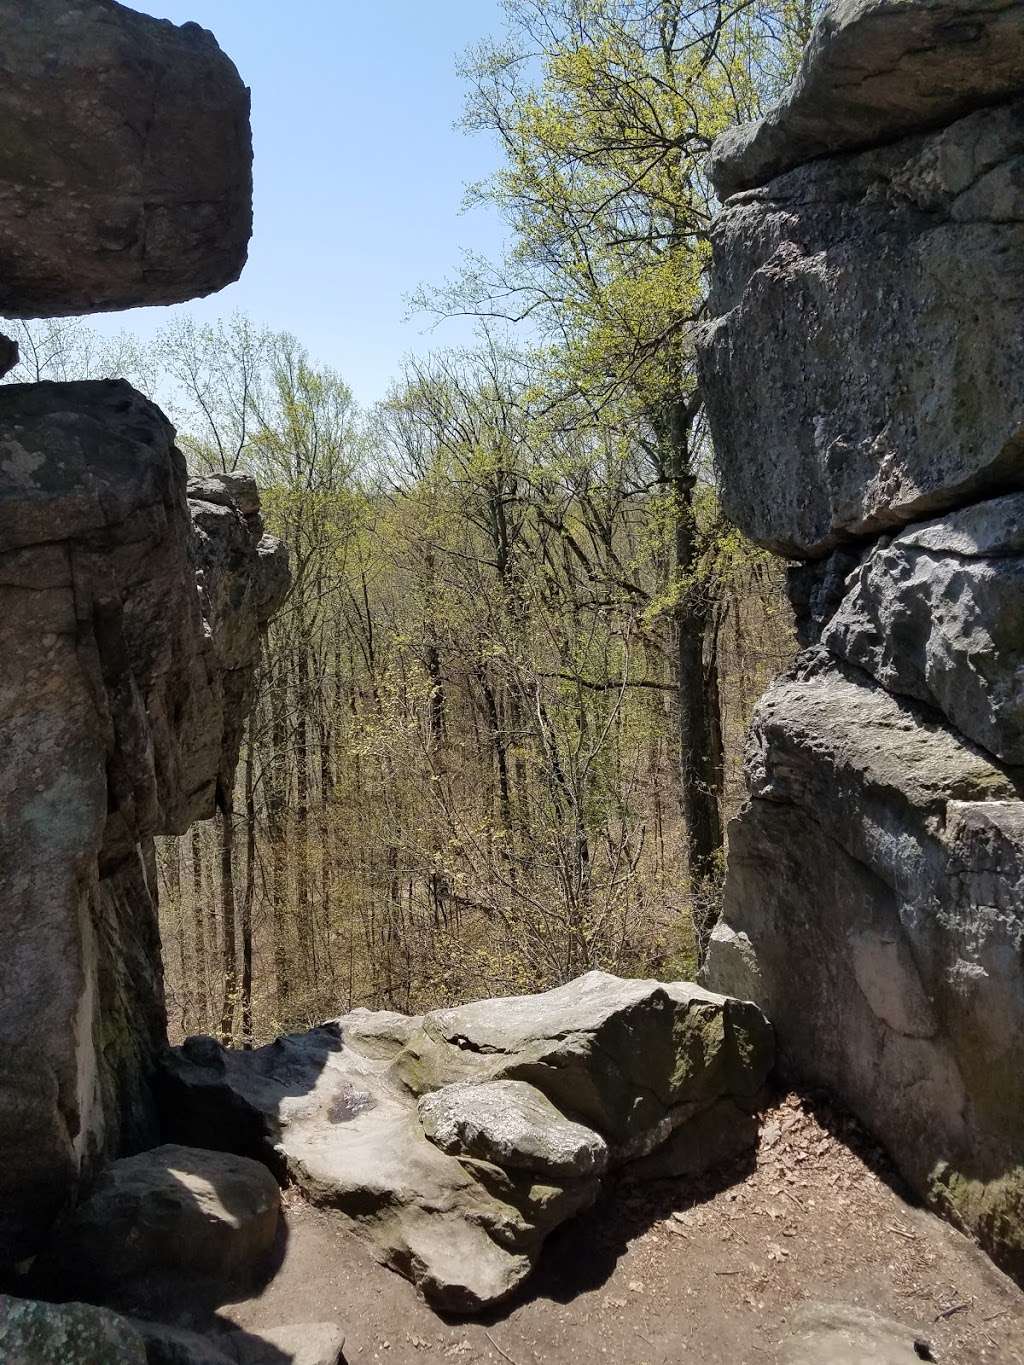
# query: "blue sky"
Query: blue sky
{"points": [[359, 171]]}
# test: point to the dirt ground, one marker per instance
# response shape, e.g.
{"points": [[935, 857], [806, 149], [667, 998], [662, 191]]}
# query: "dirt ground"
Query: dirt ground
{"points": [[701, 1270]]}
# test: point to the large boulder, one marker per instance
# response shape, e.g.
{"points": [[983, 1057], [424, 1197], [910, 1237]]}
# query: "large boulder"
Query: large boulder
{"points": [[865, 363], [455, 1142], [119, 703], [875, 70], [171, 1215], [937, 614], [880, 866], [126, 161]]}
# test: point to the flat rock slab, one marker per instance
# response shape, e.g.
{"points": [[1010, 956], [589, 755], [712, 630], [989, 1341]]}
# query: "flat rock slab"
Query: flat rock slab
{"points": [[173, 1213], [842, 1334], [126, 164], [457, 1141], [876, 70], [305, 1343]]}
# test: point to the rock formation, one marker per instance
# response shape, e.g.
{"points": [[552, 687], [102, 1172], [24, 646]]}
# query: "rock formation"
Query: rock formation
{"points": [[455, 1142], [864, 378], [130, 611], [129, 630], [126, 164]]}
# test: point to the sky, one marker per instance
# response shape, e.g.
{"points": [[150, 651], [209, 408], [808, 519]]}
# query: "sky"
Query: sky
{"points": [[359, 172]]}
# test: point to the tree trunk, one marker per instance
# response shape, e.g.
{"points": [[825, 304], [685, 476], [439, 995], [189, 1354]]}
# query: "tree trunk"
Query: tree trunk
{"points": [[227, 902]]}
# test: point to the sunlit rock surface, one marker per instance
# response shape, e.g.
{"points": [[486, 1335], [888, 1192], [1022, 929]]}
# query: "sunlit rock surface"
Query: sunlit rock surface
{"points": [[455, 1142]]}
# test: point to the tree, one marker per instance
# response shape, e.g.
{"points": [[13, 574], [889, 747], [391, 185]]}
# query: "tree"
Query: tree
{"points": [[604, 111]]}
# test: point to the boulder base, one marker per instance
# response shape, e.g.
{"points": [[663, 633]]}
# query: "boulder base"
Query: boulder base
{"points": [[457, 1141]]}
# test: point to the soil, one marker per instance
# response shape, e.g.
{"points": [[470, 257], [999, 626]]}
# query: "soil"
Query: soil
{"points": [[706, 1270]]}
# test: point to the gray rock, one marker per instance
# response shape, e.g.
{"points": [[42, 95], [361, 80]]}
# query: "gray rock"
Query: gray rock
{"points": [[843, 1334], [512, 1125], [623, 1056], [119, 713], [865, 364], [172, 1214], [455, 1143], [33, 1333], [873, 71], [937, 614], [126, 165], [305, 1343], [879, 865]]}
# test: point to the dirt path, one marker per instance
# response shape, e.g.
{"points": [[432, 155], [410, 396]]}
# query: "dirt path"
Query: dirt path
{"points": [[683, 1270]]}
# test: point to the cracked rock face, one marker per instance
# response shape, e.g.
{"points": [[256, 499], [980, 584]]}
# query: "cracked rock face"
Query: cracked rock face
{"points": [[865, 364], [937, 614], [880, 864], [126, 164], [863, 379], [129, 630], [457, 1141]]}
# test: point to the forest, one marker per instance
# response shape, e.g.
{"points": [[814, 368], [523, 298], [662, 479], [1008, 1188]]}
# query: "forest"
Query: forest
{"points": [[500, 719]]}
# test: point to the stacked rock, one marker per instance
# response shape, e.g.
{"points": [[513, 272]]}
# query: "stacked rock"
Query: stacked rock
{"points": [[864, 379], [130, 605]]}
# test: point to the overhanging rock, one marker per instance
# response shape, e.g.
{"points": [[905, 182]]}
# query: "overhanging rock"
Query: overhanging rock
{"points": [[126, 160]]}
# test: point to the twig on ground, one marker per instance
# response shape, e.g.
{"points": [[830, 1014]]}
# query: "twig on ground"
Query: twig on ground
{"points": [[954, 1308], [511, 1359]]}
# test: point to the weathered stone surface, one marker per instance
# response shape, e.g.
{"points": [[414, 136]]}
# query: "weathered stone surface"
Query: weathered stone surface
{"points": [[118, 716], [510, 1124], [305, 1343], [456, 1142], [172, 1214], [937, 614], [876, 70], [126, 165], [843, 1334], [865, 365], [879, 866], [37, 1333], [33, 1333]]}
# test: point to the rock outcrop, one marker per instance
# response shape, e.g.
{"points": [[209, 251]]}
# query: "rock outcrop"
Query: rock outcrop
{"points": [[126, 163], [455, 1142], [865, 365], [129, 630], [863, 377], [198, 1223], [130, 610]]}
